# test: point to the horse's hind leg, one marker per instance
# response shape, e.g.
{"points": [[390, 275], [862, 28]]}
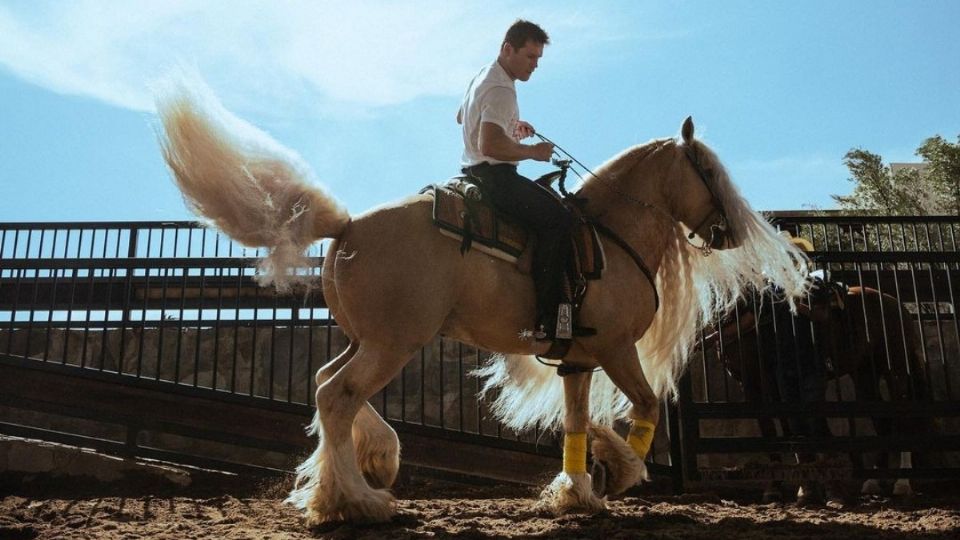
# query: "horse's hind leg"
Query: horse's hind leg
{"points": [[868, 387], [308, 472], [339, 490], [758, 373], [571, 490], [376, 443], [897, 388], [377, 447]]}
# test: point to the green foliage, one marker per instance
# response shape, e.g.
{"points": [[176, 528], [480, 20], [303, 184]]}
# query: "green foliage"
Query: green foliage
{"points": [[943, 172], [931, 190]]}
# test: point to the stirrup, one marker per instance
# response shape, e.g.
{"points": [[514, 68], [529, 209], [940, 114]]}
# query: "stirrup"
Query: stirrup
{"points": [[564, 321]]}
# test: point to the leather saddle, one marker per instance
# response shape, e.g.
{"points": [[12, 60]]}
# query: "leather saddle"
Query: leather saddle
{"points": [[461, 213]]}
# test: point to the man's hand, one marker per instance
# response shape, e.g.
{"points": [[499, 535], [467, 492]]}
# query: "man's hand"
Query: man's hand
{"points": [[523, 130], [541, 151], [495, 143]]}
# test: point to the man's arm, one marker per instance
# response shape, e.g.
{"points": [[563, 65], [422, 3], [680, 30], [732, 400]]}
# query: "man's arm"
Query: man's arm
{"points": [[495, 143]]}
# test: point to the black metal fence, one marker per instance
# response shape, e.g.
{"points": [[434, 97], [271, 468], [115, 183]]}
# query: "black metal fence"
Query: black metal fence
{"points": [[175, 306], [913, 261]]}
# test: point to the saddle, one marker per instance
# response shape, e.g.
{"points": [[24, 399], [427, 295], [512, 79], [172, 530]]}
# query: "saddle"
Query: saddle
{"points": [[461, 213]]}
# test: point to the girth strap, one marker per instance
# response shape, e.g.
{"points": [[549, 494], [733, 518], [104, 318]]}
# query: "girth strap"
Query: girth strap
{"points": [[637, 259]]}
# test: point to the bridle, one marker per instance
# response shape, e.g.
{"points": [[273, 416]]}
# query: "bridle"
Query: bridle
{"points": [[719, 230]]}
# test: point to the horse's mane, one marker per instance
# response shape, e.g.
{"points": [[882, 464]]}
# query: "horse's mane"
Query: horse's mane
{"points": [[694, 290], [621, 164]]}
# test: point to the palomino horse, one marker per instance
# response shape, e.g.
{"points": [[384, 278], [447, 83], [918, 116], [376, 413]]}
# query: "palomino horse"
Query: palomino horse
{"points": [[864, 334], [393, 282]]}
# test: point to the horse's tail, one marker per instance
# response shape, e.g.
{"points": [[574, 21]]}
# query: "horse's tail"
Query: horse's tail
{"points": [[247, 184]]}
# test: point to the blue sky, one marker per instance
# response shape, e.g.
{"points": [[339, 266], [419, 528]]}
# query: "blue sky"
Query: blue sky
{"points": [[367, 91]]}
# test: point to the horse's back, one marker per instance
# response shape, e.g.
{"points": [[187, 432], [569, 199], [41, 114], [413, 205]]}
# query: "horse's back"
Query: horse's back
{"points": [[888, 337], [394, 276]]}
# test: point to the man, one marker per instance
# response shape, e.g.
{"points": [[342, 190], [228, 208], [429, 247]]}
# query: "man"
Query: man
{"points": [[492, 131]]}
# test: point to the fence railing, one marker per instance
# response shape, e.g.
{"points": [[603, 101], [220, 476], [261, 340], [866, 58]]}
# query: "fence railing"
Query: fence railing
{"points": [[911, 261], [176, 305]]}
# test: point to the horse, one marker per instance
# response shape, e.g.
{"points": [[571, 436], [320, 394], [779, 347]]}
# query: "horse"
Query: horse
{"points": [[393, 282], [858, 332]]}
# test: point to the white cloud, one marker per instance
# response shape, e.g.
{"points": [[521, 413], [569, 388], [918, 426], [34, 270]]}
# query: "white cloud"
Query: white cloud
{"points": [[358, 55]]}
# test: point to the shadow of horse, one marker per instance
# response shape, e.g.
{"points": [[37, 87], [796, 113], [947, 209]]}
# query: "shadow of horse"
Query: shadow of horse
{"points": [[838, 332]]}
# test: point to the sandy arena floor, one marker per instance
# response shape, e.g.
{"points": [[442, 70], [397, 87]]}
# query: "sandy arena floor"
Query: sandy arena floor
{"points": [[226, 508]]}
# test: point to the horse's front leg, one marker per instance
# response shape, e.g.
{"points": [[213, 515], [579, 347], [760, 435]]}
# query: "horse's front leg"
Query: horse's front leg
{"points": [[624, 460], [571, 490]]}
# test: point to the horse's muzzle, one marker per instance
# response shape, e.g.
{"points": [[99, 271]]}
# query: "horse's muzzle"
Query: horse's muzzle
{"points": [[719, 236]]}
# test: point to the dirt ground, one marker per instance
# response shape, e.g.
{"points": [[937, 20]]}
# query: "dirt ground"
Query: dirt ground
{"points": [[221, 508]]}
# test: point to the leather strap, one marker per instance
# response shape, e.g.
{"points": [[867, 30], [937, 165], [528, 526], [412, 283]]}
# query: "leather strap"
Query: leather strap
{"points": [[637, 259]]}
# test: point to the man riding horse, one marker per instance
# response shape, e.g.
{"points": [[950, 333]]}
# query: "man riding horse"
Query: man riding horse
{"points": [[393, 281], [492, 130]]}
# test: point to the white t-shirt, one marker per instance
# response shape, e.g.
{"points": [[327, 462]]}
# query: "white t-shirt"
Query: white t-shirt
{"points": [[491, 97]]}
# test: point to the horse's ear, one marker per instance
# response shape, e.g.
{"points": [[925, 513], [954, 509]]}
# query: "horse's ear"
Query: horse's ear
{"points": [[687, 130]]}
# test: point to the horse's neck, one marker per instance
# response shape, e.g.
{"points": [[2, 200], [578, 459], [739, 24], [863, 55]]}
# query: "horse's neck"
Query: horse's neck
{"points": [[643, 228], [623, 196]]}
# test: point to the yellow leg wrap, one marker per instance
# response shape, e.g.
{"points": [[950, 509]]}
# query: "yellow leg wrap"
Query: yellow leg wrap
{"points": [[641, 437], [575, 453]]}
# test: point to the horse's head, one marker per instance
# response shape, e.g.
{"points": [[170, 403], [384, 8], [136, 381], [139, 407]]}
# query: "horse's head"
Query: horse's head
{"points": [[682, 179], [695, 190]]}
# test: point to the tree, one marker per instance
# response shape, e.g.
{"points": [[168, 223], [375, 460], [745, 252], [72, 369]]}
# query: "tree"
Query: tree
{"points": [[878, 189], [932, 189], [943, 172]]}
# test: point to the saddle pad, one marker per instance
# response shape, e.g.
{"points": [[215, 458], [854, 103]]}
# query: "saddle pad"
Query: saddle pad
{"points": [[588, 251], [495, 232], [503, 237]]}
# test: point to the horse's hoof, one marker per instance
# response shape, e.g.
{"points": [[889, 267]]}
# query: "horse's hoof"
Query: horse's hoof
{"points": [[621, 467], [772, 496], [836, 503], [837, 495], [570, 494], [902, 488], [810, 494], [598, 473], [871, 487]]}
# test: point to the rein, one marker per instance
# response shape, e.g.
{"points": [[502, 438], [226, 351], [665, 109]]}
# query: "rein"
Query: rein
{"points": [[720, 227], [606, 231], [718, 230]]}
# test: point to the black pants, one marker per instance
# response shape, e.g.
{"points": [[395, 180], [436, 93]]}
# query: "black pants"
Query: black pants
{"points": [[537, 209]]}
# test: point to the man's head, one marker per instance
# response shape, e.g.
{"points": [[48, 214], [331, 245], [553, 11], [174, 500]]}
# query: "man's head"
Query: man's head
{"points": [[522, 48]]}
